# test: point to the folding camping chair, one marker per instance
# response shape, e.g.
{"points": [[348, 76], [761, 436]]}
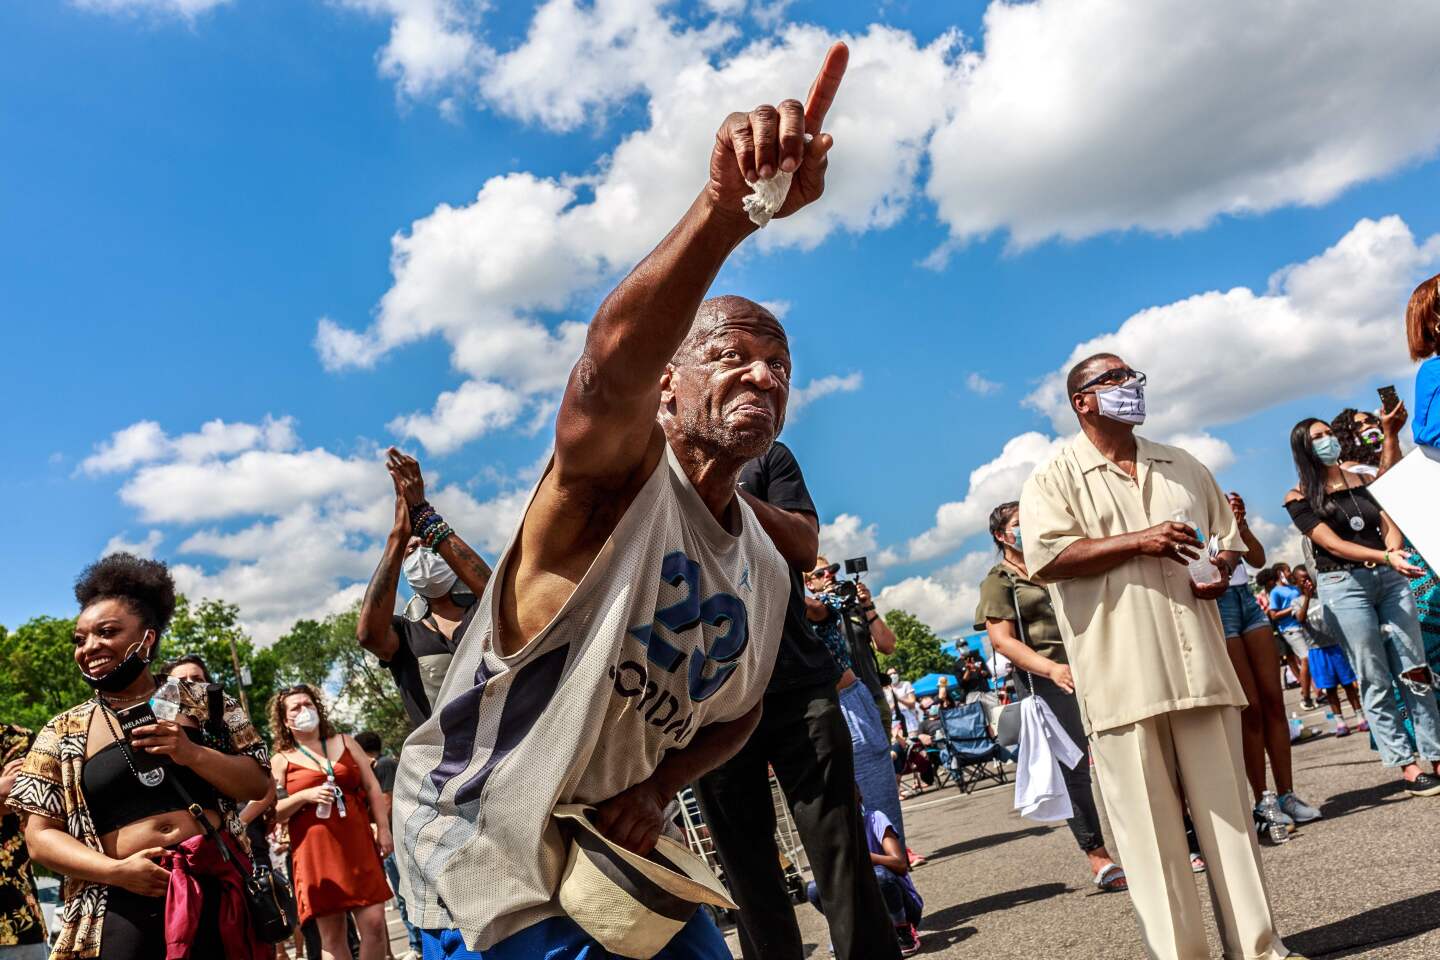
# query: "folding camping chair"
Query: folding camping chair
{"points": [[971, 753]]}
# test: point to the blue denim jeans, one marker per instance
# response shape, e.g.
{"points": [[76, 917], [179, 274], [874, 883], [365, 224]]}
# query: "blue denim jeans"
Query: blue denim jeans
{"points": [[392, 872], [1373, 611]]}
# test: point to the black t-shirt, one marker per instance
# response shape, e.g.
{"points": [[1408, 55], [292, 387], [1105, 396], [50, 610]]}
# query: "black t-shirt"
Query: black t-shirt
{"points": [[422, 660], [1339, 511], [385, 767], [803, 660], [977, 682]]}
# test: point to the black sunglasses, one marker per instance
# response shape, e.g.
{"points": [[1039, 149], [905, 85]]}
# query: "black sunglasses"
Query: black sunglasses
{"points": [[1113, 378]]}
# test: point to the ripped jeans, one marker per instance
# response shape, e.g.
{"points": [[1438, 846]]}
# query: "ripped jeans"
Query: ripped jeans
{"points": [[1373, 611]]}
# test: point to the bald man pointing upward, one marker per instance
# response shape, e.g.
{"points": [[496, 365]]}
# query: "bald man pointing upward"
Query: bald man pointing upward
{"points": [[625, 640]]}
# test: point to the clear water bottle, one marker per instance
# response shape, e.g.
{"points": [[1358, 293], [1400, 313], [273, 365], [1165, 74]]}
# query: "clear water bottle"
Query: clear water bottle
{"points": [[166, 701], [323, 808], [1270, 812], [1297, 727], [1203, 571]]}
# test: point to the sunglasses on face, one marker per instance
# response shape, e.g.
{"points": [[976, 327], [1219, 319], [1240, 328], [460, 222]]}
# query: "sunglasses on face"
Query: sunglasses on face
{"points": [[1113, 378]]}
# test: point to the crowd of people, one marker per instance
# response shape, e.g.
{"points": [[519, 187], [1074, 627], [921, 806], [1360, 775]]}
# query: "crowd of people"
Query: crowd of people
{"points": [[662, 619]]}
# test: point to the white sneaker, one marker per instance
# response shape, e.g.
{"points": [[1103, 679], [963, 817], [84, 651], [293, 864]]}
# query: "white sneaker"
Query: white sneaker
{"points": [[1297, 809]]}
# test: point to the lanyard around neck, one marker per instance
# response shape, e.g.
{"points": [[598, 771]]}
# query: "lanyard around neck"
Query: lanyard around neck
{"points": [[329, 767]]}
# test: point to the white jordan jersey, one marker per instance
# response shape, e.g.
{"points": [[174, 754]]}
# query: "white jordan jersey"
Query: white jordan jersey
{"points": [[674, 626]]}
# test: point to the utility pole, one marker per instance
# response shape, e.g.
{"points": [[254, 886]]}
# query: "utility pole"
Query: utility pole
{"points": [[239, 675]]}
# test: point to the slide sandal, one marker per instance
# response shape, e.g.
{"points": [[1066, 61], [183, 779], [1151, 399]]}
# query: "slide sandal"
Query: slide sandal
{"points": [[1111, 878]]}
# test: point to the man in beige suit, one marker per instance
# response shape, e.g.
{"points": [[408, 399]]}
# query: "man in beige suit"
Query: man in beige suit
{"points": [[1111, 524]]}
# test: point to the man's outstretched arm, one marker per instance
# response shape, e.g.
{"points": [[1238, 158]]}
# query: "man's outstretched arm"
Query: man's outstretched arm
{"points": [[606, 423]]}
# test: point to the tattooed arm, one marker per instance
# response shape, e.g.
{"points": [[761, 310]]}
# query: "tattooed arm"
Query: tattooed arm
{"points": [[473, 571], [376, 629]]}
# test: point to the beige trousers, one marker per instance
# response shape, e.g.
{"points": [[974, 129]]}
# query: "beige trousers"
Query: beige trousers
{"points": [[1141, 768]]}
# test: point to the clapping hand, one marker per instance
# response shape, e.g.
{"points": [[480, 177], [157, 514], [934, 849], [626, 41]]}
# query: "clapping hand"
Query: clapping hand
{"points": [[771, 139], [405, 472]]}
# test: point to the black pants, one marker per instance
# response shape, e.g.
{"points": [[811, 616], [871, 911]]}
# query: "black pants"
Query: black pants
{"points": [[134, 925], [1085, 824], [803, 736]]}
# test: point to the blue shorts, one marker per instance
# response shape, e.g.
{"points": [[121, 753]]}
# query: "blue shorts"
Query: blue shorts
{"points": [[1330, 668], [559, 938], [1239, 613]]}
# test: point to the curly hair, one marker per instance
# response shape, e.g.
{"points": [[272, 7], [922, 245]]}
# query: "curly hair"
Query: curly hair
{"points": [[145, 586], [284, 740], [1352, 448]]}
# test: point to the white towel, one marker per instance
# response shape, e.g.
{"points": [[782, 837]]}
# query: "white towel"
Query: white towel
{"points": [[1040, 792], [768, 198]]}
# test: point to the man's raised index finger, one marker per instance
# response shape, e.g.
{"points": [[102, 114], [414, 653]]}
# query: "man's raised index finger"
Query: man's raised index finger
{"points": [[822, 91]]}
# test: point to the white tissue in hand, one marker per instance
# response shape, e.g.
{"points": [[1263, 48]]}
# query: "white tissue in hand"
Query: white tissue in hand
{"points": [[768, 198]]}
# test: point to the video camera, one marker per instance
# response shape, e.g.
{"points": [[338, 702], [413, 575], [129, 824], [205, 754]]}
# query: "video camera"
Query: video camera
{"points": [[845, 589]]}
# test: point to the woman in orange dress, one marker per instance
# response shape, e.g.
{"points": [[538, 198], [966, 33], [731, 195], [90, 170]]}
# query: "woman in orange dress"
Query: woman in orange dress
{"points": [[330, 797]]}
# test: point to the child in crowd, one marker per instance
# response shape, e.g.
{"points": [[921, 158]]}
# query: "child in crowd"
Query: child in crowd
{"points": [[892, 872], [1329, 667]]}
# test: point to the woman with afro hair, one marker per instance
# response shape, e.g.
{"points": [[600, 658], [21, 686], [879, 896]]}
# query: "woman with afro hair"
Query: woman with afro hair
{"points": [[103, 791]]}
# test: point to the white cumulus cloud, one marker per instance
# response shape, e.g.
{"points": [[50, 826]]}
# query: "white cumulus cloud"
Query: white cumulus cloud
{"points": [[802, 397], [1086, 117], [1217, 357], [945, 598], [847, 536]]}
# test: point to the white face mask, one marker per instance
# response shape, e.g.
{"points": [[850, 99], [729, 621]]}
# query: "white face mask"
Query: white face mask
{"points": [[305, 721], [1125, 403], [428, 573]]}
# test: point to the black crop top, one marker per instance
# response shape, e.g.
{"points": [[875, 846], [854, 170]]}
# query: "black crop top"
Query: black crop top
{"points": [[116, 798], [1338, 511]]}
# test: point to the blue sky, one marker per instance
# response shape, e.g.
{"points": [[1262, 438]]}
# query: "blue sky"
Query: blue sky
{"points": [[265, 213]]}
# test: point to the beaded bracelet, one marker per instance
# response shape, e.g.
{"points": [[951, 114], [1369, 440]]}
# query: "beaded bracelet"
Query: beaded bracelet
{"points": [[420, 511], [428, 523], [437, 533]]}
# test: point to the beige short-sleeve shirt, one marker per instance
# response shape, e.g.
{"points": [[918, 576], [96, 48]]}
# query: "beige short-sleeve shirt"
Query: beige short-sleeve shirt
{"points": [[1140, 642]]}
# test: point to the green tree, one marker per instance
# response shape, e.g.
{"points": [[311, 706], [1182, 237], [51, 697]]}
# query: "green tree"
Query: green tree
{"points": [[208, 629], [326, 654], [39, 678], [917, 648]]}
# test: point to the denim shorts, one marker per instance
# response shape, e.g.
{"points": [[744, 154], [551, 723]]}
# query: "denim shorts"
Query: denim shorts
{"points": [[1239, 613]]}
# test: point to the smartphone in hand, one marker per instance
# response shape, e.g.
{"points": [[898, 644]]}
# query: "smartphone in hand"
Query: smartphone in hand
{"points": [[139, 715], [1389, 399]]}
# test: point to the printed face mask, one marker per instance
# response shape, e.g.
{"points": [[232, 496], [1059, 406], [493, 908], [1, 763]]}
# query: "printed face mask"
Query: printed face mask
{"points": [[429, 575], [1327, 449], [305, 721], [1372, 437], [1125, 403]]}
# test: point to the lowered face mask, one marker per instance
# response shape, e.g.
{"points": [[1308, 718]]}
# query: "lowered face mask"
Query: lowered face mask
{"points": [[428, 573], [1372, 437], [1125, 403]]}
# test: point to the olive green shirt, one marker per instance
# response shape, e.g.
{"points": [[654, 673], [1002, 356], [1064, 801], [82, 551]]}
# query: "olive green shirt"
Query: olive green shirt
{"points": [[1041, 632]]}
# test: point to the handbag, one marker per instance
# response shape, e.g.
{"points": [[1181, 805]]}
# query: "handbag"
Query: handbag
{"points": [[1006, 719], [271, 901]]}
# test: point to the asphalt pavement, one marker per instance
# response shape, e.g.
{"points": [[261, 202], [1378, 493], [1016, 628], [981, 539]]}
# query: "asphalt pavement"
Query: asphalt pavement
{"points": [[1363, 882]]}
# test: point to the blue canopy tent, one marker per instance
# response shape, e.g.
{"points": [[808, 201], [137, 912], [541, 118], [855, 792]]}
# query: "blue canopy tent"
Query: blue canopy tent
{"points": [[928, 684]]}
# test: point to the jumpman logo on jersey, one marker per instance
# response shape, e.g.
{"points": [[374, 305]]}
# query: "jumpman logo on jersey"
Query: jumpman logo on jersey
{"points": [[744, 579]]}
